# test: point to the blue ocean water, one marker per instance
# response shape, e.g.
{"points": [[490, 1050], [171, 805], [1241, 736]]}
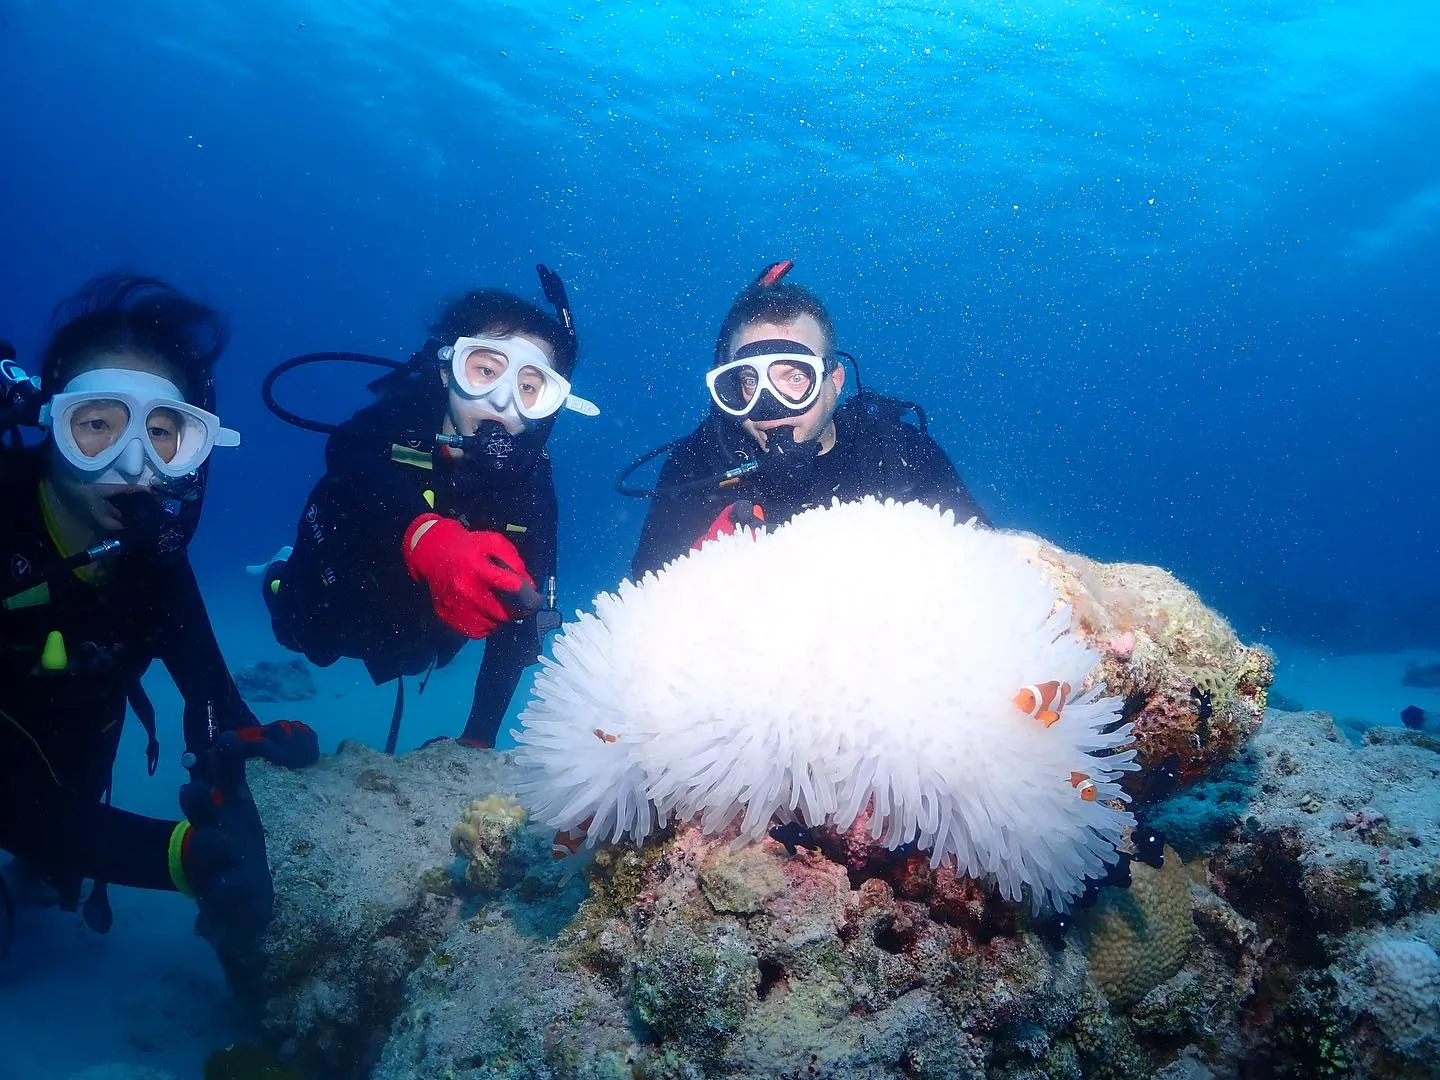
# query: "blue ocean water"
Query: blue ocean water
{"points": [[1163, 275]]}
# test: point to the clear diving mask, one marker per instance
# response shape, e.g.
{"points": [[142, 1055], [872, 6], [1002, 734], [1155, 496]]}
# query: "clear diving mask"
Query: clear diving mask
{"points": [[767, 380], [119, 426], [512, 378]]}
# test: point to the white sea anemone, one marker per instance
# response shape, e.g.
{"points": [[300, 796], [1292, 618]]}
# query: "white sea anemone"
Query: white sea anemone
{"points": [[861, 656]]}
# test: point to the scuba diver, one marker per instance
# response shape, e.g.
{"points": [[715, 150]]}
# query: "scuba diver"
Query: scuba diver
{"points": [[777, 442], [435, 522], [96, 585]]}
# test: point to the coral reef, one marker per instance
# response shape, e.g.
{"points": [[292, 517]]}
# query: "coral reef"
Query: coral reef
{"points": [[1334, 852], [1397, 986], [484, 836], [276, 681], [821, 953], [685, 958]]}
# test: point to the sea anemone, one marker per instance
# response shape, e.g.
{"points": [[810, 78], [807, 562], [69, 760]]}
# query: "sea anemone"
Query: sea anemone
{"points": [[864, 657]]}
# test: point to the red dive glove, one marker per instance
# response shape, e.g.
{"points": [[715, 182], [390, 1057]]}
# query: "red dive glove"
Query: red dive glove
{"points": [[477, 580], [284, 742], [738, 515]]}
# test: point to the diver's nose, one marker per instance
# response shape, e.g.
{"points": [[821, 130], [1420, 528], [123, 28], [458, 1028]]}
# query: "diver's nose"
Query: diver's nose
{"points": [[501, 396], [131, 462]]}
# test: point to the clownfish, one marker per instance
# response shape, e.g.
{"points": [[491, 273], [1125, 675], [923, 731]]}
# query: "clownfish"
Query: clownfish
{"points": [[1085, 786], [605, 736], [1043, 701], [567, 842]]}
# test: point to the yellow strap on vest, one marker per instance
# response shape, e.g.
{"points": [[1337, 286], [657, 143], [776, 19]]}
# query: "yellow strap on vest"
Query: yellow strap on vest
{"points": [[408, 456], [84, 573]]}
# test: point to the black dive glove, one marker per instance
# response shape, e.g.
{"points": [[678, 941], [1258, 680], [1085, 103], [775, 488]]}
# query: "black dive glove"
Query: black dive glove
{"points": [[218, 854]]}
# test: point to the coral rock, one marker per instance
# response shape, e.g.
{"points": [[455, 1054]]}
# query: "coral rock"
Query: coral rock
{"points": [[1160, 643], [1398, 987]]}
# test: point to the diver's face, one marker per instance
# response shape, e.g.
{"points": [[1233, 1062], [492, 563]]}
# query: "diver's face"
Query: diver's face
{"points": [[96, 426], [814, 421], [463, 414]]}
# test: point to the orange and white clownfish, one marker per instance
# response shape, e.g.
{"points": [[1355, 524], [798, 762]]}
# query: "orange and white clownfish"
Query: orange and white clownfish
{"points": [[567, 842], [1085, 786], [1044, 701]]}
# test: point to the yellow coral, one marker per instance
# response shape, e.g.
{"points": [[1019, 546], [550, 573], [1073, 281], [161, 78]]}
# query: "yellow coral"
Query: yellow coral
{"points": [[484, 834], [1140, 936]]}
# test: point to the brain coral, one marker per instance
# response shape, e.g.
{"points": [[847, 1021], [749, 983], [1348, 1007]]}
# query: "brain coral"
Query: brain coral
{"points": [[864, 655], [1140, 936]]}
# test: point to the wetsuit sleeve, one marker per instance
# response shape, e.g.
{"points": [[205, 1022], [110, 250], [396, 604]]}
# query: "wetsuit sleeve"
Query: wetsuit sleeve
{"points": [[515, 646], [73, 837], [508, 652], [937, 483], [674, 522], [192, 656]]}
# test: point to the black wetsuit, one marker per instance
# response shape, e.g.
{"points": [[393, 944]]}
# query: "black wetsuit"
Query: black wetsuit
{"points": [[345, 590], [875, 453], [59, 730]]}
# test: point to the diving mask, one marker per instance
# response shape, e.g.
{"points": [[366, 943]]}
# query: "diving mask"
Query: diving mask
{"points": [[512, 378], [767, 380], [119, 426]]}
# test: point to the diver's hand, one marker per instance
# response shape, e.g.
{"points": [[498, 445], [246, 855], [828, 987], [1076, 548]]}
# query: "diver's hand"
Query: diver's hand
{"points": [[283, 742], [477, 580], [220, 848], [738, 515]]}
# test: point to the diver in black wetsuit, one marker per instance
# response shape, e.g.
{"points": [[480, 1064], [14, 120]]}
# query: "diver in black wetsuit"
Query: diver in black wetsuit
{"points": [[777, 442], [96, 585], [435, 522]]}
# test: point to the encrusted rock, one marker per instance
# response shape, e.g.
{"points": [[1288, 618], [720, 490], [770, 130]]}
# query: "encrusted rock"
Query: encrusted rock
{"points": [[1193, 690], [485, 834], [353, 914]]}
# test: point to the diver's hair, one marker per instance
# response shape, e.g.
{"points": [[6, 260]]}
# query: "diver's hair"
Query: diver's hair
{"points": [[123, 312], [497, 313], [778, 303]]}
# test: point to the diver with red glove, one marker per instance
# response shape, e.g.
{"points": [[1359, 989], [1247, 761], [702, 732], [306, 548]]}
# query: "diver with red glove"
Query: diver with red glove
{"points": [[435, 522]]}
